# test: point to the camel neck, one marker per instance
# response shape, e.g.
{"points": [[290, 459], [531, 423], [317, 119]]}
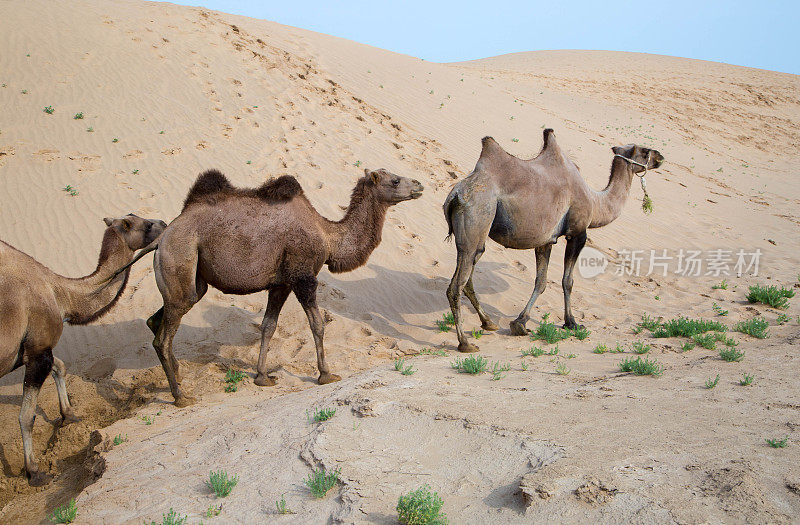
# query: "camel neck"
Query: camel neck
{"points": [[356, 236], [84, 299], [607, 204]]}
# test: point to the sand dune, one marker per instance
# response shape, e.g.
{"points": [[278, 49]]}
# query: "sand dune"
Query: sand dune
{"points": [[166, 92]]}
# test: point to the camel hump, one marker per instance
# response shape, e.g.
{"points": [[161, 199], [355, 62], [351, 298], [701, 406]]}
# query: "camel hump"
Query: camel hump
{"points": [[212, 185], [283, 188], [208, 183], [490, 147]]}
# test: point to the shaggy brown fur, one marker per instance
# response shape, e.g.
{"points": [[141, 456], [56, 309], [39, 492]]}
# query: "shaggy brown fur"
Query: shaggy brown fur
{"points": [[212, 187], [272, 238], [525, 204], [34, 303]]}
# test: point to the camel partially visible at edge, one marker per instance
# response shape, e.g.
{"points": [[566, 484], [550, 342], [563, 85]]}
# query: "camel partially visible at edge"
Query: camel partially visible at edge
{"points": [[34, 304]]}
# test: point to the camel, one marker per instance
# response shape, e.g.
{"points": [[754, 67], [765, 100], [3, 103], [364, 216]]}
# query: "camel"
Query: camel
{"points": [[524, 204], [242, 241], [34, 304]]}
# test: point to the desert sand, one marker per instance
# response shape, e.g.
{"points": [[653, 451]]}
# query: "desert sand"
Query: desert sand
{"points": [[168, 91]]}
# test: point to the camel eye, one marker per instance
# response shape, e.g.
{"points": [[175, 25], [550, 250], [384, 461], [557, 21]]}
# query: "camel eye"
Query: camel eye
{"points": [[395, 182]]}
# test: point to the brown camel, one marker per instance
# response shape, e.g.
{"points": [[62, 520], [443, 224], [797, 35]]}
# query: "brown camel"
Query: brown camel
{"points": [[525, 204], [34, 304], [242, 241]]}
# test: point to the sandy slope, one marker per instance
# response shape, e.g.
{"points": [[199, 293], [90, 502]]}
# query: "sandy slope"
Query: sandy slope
{"points": [[257, 99]]}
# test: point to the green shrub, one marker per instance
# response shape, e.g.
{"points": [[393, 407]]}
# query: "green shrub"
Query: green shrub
{"points": [[471, 365], [641, 367], [685, 327], [220, 484], [320, 481], [171, 518], [757, 327], [66, 513], [421, 507], [731, 355], [771, 295]]}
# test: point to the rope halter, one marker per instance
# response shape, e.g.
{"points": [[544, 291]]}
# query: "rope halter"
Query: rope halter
{"points": [[647, 202]]}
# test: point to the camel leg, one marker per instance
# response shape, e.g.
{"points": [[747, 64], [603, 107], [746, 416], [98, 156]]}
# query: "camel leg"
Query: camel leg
{"points": [[542, 261], [469, 291], [163, 345], [277, 298], [36, 372], [59, 375], [574, 246], [305, 289], [464, 265]]}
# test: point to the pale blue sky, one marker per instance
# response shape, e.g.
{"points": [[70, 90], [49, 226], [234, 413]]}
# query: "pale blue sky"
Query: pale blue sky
{"points": [[763, 34]]}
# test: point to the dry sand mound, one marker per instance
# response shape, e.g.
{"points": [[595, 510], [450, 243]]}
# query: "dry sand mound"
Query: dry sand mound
{"points": [[166, 92]]}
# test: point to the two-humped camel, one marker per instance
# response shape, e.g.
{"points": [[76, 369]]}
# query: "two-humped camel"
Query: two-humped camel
{"points": [[242, 241], [525, 204], [34, 304]]}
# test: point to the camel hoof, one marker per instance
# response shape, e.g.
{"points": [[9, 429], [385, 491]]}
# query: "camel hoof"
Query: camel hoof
{"points": [[185, 401], [38, 478], [68, 419], [518, 328], [572, 326], [468, 348], [490, 326], [324, 379], [264, 380]]}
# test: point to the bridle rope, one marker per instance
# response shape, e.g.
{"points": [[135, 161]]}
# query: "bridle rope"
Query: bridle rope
{"points": [[641, 175]]}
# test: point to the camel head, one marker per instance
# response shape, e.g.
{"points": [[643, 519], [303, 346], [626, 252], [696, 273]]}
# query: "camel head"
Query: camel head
{"points": [[640, 156], [391, 188], [136, 231]]}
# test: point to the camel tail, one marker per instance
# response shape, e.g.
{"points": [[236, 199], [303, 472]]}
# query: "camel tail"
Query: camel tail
{"points": [[450, 205]]}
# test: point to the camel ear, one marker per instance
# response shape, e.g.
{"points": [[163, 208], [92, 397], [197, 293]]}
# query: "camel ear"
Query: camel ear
{"points": [[617, 150], [375, 176], [108, 221]]}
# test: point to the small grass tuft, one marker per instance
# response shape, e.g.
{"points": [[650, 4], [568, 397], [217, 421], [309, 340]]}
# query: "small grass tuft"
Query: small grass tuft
{"points": [[723, 285], [220, 483], [321, 415], [600, 349], [535, 351], [233, 378], [649, 322], [471, 365], [783, 319], [756, 327], [731, 355], [778, 443], [446, 322], [212, 511], [618, 349], [428, 351], [561, 369], [49, 110], [171, 518], [641, 367], [498, 369], [550, 333], [580, 333], [281, 506], [717, 308], [639, 347], [119, 439], [78, 116], [421, 507], [707, 341], [685, 327], [711, 383], [746, 380], [321, 481], [72, 191], [65, 513], [687, 345], [771, 295]]}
